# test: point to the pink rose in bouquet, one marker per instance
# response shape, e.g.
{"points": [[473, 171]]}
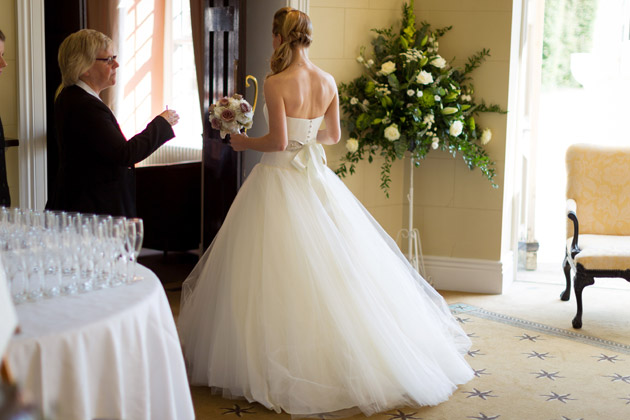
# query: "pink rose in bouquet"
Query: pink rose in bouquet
{"points": [[230, 115]]}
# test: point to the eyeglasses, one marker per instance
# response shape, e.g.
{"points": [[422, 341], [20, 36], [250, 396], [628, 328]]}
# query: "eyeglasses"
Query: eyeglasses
{"points": [[109, 60]]}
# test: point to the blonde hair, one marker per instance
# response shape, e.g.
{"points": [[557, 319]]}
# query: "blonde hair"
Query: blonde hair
{"points": [[295, 30], [77, 53]]}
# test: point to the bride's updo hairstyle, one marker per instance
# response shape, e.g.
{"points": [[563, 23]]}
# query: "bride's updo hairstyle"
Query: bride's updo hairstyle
{"points": [[295, 29]]}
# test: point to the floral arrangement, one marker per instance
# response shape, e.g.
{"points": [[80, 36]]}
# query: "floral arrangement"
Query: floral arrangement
{"points": [[411, 99], [230, 115]]}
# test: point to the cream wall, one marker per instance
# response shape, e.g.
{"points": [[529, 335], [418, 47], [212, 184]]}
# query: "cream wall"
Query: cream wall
{"points": [[9, 94], [457, 212]]}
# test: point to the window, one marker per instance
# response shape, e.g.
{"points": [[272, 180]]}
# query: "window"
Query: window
{"points": [[158, 70]]}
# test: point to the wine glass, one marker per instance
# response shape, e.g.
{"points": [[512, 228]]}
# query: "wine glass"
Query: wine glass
{"points": [[137, 235]]}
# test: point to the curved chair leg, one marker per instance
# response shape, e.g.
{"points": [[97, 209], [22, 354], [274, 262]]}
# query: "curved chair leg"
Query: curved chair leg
{"points": [[580, 281], [567, 274]]}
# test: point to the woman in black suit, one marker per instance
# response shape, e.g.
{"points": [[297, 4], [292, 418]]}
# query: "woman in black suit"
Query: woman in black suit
{"points": [[96, 168], [5, 198]]}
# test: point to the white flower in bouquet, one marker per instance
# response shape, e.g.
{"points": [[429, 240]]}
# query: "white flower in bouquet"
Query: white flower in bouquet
{"points": [[392, 133], [486, 135], [429, 120], [230, 115], [370, 62], [387, 67], [438, 62], [352, 145], [424, 78], [435, 142], [456, 128], [354, 101], [411, 92]]}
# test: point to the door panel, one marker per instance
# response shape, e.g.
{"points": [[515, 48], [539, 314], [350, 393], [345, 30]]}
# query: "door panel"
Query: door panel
{"points": [[224, 76]]}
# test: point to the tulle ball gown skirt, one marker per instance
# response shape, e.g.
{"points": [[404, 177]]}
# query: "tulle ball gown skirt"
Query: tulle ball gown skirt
{"points": [[304, 304]]}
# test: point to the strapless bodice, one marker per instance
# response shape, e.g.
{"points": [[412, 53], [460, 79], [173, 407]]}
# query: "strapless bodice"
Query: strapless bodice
{"points": [[302, 135]]}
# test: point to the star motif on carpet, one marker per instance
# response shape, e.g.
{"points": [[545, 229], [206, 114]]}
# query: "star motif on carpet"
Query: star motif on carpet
{"points": [[462, 320], [481, 394], [479, 372], [482, 416], [237, 410], [617, 377], [529, 337], [459, 307], [541, 356], [627, 399], [473, 353], [562, 398], [403, 416], [472, 335], [566, 418], [549, 375], [612, 359]]}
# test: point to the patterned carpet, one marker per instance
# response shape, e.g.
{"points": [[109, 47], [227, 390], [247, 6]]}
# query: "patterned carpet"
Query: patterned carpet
{"points": [[524, 370]]}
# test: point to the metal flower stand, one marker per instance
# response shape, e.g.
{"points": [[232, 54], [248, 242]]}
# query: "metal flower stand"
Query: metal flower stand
{"points": [[414, 245]]}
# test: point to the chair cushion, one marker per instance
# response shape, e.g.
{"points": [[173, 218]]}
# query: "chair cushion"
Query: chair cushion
{"points": [[598, 179], [602, 252]]}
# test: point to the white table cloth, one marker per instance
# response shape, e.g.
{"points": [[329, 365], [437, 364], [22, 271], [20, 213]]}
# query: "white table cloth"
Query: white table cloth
{"points": [[109, 354]]}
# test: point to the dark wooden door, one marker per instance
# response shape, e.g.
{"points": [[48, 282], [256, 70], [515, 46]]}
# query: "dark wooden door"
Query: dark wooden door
{"points": [[224, 75], [61, 18]]}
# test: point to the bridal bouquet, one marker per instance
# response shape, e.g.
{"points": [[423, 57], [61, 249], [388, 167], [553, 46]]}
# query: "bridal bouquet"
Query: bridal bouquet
{"points": [[231, 114]]}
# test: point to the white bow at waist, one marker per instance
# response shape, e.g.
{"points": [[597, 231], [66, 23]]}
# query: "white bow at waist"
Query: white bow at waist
{"points": [[309, 158]]}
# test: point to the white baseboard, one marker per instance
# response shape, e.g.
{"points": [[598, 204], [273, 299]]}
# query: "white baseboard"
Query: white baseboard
{"points": [[469, 275]]}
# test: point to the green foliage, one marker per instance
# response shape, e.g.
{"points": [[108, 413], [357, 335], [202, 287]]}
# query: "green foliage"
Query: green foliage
{"points": [[410, 99], [568, 29]]}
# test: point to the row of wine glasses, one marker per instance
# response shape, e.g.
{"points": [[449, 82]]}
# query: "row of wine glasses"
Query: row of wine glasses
{"points": [[51, 253]]}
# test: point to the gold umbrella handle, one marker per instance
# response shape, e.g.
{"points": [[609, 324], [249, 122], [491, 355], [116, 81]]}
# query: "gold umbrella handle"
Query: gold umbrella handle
{"points": [[249, 76]]}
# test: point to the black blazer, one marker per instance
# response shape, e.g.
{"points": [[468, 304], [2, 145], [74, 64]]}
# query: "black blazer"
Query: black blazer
{"points": [[96, 173], [5, 197]]}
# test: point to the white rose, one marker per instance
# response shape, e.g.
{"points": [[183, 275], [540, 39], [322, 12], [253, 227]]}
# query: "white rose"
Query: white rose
{"points": [[437, 98], [411, 92], [392, 133], [352, 145], [370, 62], [424, 77], [486, 135], [354, 101], [456, 128], [388, 67], [435, 143], [439, 62], [419, 93]]}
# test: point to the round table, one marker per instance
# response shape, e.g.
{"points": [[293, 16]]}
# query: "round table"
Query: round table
{"points": [[111, 353]]}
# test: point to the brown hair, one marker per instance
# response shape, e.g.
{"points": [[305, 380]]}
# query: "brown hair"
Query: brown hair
{"points": [[295, 29], [77, 53], [2, 37]]}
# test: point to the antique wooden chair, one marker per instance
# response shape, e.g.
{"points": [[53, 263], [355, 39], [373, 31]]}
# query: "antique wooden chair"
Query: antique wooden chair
{"points": [[598, 242]]}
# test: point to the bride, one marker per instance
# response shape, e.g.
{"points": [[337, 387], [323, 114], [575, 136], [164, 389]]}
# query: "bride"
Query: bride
{"points": [[302, 302]]}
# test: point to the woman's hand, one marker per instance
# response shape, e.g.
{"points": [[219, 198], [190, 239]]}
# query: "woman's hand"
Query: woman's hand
{"points": [[170, 116], [239, 142]]}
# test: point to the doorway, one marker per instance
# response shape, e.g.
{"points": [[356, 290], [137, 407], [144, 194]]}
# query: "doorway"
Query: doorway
{"points": [[584, 72]]}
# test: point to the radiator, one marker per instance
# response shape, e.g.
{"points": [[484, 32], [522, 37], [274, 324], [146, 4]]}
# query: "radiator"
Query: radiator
{"points": [[172, 154]]}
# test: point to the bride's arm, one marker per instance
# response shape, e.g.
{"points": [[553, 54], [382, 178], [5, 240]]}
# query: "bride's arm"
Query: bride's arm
{"points": [[274, 141], [332, 133]]}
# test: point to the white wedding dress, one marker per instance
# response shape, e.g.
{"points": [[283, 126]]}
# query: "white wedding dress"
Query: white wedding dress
{"points": [[304, 304]]}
